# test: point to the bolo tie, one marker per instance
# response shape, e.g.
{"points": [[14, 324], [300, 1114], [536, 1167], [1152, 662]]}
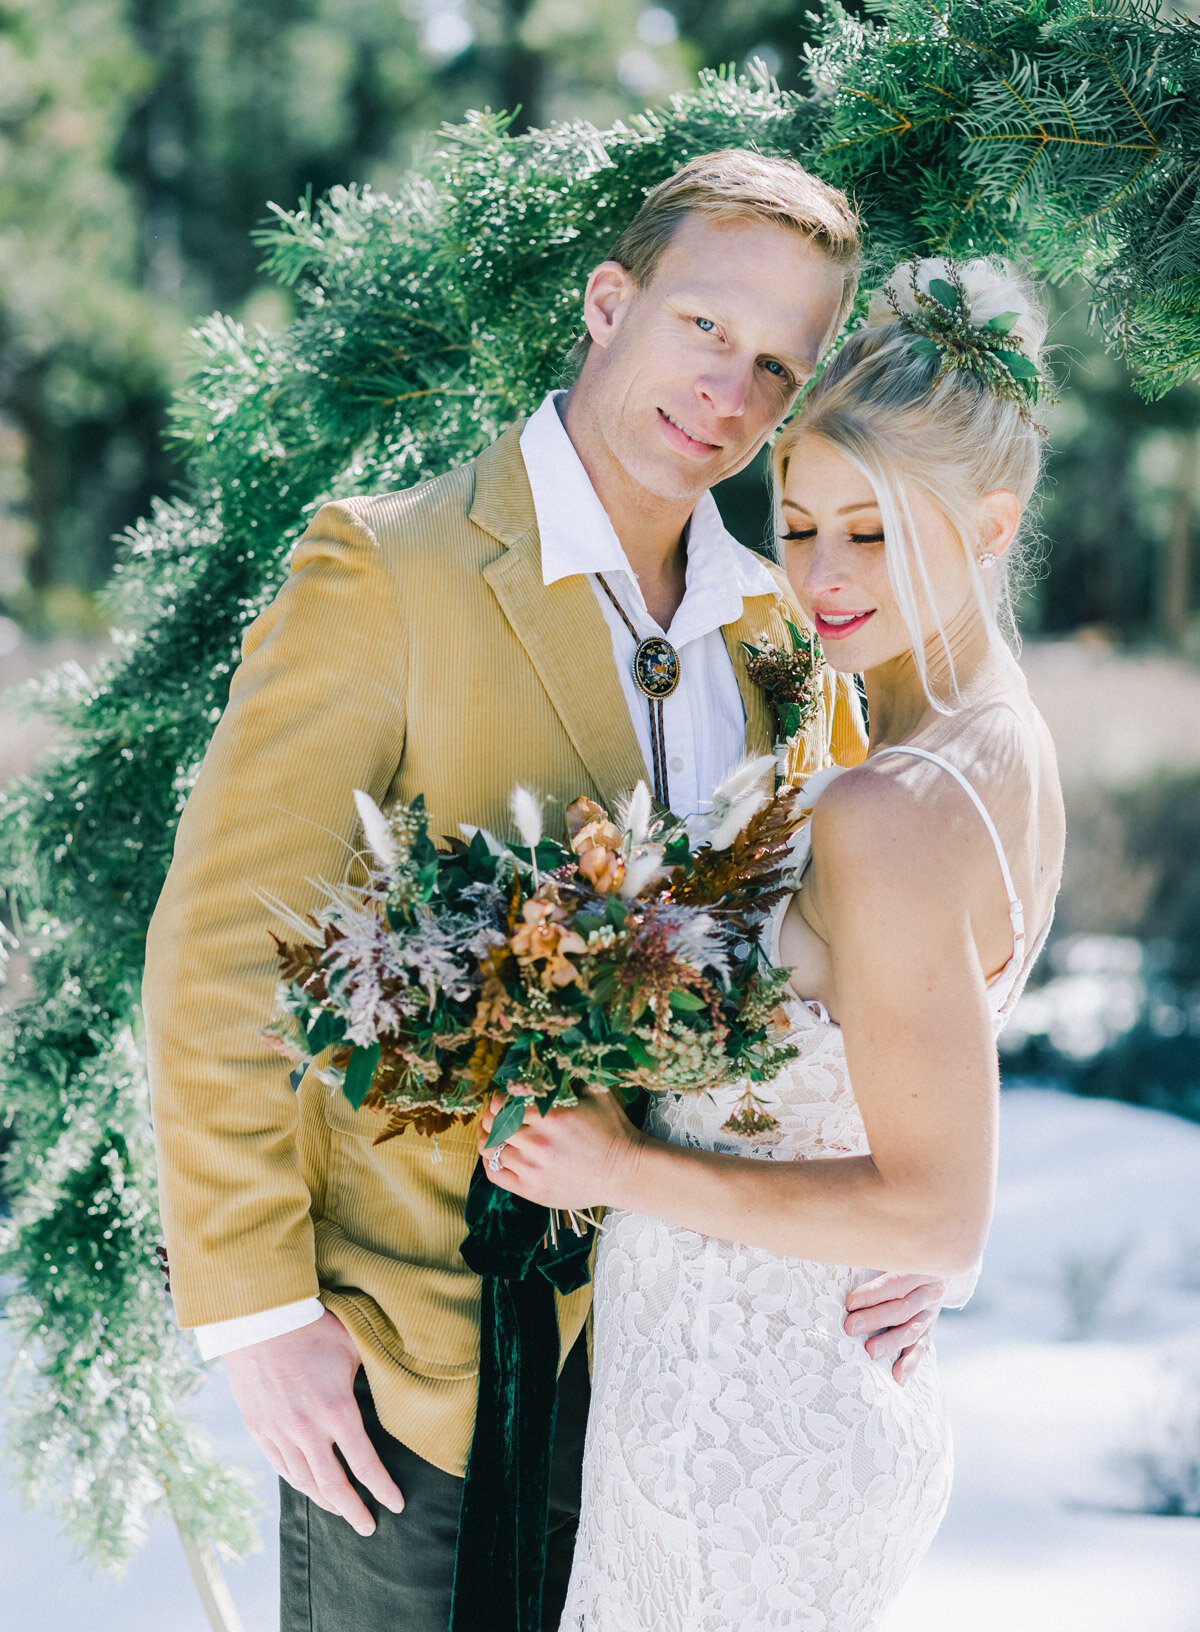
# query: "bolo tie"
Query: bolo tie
{"points": [[656, 670]]}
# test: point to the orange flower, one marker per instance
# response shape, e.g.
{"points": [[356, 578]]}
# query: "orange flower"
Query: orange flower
{"points": [[598, 845], [581, 813], [602, 868], [544, 938]]}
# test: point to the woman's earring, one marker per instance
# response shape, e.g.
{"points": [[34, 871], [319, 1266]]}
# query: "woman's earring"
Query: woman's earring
{"points": [[987, 559]]}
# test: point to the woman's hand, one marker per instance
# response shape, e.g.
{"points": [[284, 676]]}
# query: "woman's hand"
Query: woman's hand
{"points": [[576, 1157]]}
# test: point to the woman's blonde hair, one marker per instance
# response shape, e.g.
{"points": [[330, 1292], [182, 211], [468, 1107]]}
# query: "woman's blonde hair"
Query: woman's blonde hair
{"points": [[882, 406]]}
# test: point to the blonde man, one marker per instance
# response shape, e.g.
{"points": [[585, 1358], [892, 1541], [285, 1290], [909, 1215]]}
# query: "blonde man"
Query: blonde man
{"points": [[451, 640]]}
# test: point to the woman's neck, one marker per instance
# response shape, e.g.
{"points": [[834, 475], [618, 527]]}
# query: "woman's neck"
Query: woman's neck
{"points": [[958, 670]]}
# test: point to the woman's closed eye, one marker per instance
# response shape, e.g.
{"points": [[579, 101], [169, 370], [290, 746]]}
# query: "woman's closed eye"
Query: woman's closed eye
{"points": [[800, 535]]}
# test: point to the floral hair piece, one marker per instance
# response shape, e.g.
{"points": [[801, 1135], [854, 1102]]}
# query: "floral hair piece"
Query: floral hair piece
{"points": [[944, 330]]}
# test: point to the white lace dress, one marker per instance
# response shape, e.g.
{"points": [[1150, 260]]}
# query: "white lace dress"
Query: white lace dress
{"points": [[747, 1464]]}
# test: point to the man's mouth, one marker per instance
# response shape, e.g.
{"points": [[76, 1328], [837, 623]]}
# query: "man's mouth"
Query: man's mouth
{"points": [[837, 625], [684, 440]]}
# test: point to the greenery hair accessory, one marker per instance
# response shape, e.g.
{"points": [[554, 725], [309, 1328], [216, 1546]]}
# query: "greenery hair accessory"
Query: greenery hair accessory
{"points": [[945, 330]]}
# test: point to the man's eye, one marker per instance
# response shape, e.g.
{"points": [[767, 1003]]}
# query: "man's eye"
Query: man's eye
{"points": [[705, 323]]}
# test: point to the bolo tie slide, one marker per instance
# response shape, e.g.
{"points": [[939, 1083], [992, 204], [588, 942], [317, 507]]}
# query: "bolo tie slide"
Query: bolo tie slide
{"points": [[656, 671]]}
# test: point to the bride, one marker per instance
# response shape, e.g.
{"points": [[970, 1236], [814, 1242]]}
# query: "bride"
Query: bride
{"points": [[748, 1465]]}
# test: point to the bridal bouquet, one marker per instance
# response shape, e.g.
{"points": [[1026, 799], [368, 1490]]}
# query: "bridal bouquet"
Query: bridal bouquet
{"points": [[622, 957]]}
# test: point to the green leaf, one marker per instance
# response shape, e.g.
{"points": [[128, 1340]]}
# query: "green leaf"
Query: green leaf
{"points": [[686, 1001], [324, 1032], [359, 1073], [925, 348], [508, 1119], [1018, 366], [641, 1053], [1003, 323], [799, 641], [615, 908], [945, 294], [586, 922], [791, 720], [602, 990], [677, 852]]}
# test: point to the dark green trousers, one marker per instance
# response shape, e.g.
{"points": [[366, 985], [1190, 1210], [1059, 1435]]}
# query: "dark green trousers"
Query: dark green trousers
{"points": [[331, 1579]]}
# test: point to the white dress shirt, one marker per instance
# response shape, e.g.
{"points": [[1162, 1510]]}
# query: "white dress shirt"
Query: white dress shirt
{"points": [[704, 721]]}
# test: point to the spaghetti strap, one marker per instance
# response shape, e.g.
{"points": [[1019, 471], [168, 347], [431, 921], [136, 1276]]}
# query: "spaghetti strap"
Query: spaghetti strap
{"points": [[1016, 910]]}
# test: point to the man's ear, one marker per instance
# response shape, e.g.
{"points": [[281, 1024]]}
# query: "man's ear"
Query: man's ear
{"points": [[999, 518], [609, 291]]}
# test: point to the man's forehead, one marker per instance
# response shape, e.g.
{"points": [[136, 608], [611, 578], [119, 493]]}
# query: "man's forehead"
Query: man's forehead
{"points": [[782, 292]]}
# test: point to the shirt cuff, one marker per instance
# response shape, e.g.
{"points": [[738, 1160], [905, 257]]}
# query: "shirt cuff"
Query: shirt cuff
{"points": [[960, 1287], [223, 1336]]}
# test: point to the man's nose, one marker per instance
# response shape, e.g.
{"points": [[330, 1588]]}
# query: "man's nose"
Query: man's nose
{"points": [[724, 392]]}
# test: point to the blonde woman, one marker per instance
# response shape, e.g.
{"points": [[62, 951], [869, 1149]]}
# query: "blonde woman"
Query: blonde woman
{"points": [[747, 1464]]}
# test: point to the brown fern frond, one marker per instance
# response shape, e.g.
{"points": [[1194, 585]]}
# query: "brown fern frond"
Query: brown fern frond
{"points": [[747, 876]]}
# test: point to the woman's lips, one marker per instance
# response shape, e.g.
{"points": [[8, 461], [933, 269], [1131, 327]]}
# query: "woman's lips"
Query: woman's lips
{"points": [[682, 442], [839, 630]]}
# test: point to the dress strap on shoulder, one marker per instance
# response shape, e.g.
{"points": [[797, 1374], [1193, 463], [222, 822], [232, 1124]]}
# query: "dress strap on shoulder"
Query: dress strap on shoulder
{"points": [[1016, 910]]}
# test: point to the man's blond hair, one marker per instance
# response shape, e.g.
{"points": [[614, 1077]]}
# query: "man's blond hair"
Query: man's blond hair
{"points": [[738, 183]]}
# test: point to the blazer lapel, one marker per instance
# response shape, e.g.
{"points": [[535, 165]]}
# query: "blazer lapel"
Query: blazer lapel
{"points": [[560, 625]]}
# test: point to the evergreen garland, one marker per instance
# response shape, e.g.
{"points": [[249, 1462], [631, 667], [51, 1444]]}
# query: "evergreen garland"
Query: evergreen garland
{"points": [[429, 320]]}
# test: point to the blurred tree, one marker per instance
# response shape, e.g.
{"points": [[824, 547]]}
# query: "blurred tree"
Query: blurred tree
{"points": [[140, 141], [82, 347], [1120, 500]]}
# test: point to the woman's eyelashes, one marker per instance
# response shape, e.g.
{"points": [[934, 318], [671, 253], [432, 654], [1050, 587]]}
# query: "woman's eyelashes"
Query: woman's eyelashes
{"points": [[800, 535]]}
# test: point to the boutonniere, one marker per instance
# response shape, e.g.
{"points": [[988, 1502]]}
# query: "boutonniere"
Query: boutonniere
{"points": [[792, 680]]}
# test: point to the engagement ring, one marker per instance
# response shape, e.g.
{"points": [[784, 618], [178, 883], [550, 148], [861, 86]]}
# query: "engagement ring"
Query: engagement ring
{"points": [[494, 1159]]}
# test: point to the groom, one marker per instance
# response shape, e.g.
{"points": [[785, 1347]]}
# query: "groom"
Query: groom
{"points": [[452, 640]]}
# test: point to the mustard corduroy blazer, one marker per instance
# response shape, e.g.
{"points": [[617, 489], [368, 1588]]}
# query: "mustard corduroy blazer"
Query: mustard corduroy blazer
{"points": [[412, 649]]}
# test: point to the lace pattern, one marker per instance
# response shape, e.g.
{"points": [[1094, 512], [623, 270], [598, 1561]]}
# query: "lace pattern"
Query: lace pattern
{"points": [[747, 1464]]}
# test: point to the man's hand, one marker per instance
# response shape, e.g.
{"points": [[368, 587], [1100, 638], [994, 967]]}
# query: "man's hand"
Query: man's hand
{"points": [[899, 1311], [296, 1396]]}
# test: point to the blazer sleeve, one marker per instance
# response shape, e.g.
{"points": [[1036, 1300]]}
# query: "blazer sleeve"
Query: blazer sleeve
{"points": [[316, 709]]}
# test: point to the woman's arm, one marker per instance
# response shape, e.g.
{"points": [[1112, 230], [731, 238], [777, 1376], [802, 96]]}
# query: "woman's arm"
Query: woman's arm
{"points": [[896, 882]]}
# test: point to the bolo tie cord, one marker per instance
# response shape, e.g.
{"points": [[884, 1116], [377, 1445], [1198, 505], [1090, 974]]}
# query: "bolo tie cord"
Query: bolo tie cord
{"points": [[658, 736]]}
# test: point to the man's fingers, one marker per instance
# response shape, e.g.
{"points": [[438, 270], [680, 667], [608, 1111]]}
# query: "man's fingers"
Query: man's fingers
{"points": [[363, 1462], [908, 1362], [300, 1476], [878, 1317], [891, 1286], [337, 1494], [887, 1344]]}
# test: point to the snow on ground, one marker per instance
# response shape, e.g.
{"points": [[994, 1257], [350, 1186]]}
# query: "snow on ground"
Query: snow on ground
{"points": [[1079, 1346], [1078, 1350]]}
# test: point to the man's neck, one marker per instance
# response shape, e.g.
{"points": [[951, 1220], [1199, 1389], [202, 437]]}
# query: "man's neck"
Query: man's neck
{"points": [[651, 530]]}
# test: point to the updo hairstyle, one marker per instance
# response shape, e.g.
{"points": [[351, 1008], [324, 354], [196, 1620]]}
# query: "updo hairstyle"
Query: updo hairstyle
{"points": [[876, 403]]}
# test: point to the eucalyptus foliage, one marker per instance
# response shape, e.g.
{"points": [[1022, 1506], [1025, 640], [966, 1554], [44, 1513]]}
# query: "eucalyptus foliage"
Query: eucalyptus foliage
{"points": [[427, 321]]}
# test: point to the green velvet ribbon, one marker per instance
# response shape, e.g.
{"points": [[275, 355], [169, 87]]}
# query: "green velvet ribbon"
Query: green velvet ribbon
{"points": [[501, 1558]]}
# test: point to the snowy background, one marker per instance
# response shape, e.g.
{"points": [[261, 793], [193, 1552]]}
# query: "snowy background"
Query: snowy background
{"points": [[1078, 1357]]}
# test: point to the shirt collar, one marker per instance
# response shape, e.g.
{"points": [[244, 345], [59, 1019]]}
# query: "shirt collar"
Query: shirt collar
{"points": [[577, 536]]}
